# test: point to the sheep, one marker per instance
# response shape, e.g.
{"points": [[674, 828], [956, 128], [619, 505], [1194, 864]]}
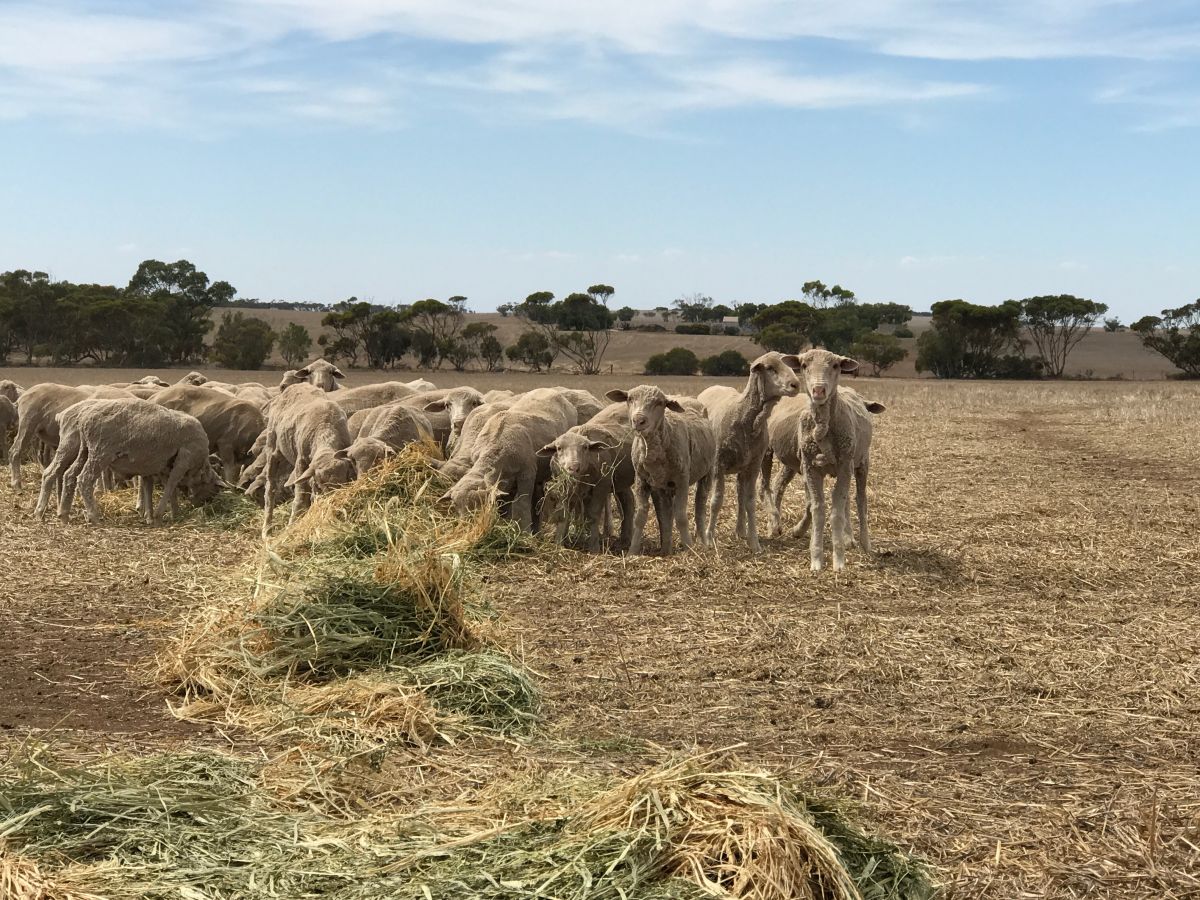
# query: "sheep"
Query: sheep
{"points": [[457, 403], [674, 447], [463, 455], [223, 386], [493, 395], [233, 425], [595, 460], [377, 433], [353, 400], [309, 432], [505, 455], [37, 409], [826, 432], [321, 373], [10, 390], [8, 424], [420, 385], [740, 421], [193, 378], [256, 393], [585, 403], [130, 438]]}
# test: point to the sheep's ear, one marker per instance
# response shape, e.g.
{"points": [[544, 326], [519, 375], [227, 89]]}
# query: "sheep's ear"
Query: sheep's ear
{"points": [[791, 360], [547, 451], [337, 373], [758, 367], [597, 446], [876, 408], [344, 453], [617, 396], [302, 373], [303, 476], [849, 365], [673, 405], [435, 406]]}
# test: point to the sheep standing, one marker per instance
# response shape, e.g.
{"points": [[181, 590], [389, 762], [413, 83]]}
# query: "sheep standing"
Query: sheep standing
{"points": [[674, 447], [307, 431], [463, 455], [739, 420], [595, 462], [505, 454], [319, 373], [37, 411], [232, 424], [130, 438], [8, 425], [379, 432], [456, 403], [825, 433], [367, 396]]}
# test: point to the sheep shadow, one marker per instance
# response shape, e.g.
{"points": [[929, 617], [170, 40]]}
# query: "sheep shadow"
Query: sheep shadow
{"points": [[906, 559]]}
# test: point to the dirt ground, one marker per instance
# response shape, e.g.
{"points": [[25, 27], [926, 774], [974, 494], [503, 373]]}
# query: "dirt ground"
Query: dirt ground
{"points": [[1009, 684]]}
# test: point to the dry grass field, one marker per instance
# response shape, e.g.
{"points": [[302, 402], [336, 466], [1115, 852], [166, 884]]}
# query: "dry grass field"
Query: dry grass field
{"points": [[1010, 685]]}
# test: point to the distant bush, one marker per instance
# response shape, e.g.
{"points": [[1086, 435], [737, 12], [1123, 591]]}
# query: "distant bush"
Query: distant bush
{"points": [[677, 361], [653, 328], [880, 351], [730, 362], [242, 342], [732, 331], [903, 331], [693, 328]]}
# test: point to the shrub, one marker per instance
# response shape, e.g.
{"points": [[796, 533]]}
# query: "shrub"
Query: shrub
{"points": [[653, 328], [294, 344], [903, 331], [693, 328], [732, 331], [677, 361], [1175, 334], [730, 362], [242, 342], [533, 350], [880, 351]]}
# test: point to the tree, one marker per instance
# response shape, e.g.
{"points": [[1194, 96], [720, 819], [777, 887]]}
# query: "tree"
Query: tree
{"points": [[746, 312], [601, 293], [625, 316], [532, 349], [694, 307], [492, 352], [242, 342], [506, 309], [966, 340], [439, 322], [1113, 325], [1175, 334], [881, 351], [294, 344], [728, 362], [1056, 324], [677, 361], [819, 296], [781, 339], [465, 349], [186, 298], [348, 319], [385, 338], [785, 327], [664, 312]]}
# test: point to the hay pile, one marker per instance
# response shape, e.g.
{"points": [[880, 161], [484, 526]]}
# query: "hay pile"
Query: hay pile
{"points": [[356, 632], [205, 826]]}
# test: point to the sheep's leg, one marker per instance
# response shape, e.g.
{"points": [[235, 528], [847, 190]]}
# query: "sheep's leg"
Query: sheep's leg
{"points": [[87, 490], [271, 472], [66, 484], [706, 529], [774, 498], [641, 510], [182, 464], [522, 503], [680, 508], [625, 498], [664, 508], [301, 494], [146, 497], [838, 524], [20, 446], [598, 507], [860, 483], [747, 495], [229, 465], [52, 477], [816, 507]]}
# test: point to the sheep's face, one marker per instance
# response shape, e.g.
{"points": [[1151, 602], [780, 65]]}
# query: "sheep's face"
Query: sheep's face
{"points": [[332, 470], [470, 493], [321, 373], [820, 370], [10, 390], [205, 483], [777, 377], [648, 406], [153, 381], [367, 453], [459, 403], [195, 379], [574, 454]]}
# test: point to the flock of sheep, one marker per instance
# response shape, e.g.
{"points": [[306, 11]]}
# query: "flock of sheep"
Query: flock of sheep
{"points": [[551, 453]]}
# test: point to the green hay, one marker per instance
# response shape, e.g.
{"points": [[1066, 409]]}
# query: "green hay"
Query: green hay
{"points": [[485, 688], [229, 510], [880, 869]]}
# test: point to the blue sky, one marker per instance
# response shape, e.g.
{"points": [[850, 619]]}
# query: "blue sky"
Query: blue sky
{"points": [[397, 149]]}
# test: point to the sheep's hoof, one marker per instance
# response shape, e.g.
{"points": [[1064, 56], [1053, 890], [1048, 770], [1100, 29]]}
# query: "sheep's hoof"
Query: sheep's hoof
{"points": [[816, 566]]}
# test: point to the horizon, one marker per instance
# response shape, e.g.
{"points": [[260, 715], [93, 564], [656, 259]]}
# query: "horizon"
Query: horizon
{"points": [[394, 151]]}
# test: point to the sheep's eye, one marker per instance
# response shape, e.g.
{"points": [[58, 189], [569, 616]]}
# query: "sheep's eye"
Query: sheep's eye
{"points": [[804, 365]]}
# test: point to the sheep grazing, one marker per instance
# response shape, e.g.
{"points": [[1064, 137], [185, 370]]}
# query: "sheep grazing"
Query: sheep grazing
{"points": [[591, 463], [674, 447], [379, 432], [505, 455], [37, 411], [353, 400], [494, 395], [8, 425], [825, 433], [457, 403], [232, 424], [129, 438], [463, 455], [307, 431], [739, 419]]}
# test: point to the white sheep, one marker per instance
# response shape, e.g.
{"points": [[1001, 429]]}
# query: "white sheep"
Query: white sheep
{"points": [[320, 373], [232, 424], [592, 463], [739, 420], [366, 396], [129, 438], [379, 432], [826, 432], [506, 461], [456, 403], [674, 447], [420, 385], [10, 390], [308, 432], [463, 455], [8, 425]]}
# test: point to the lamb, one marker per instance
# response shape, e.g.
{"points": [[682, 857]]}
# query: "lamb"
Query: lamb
{"points": [[841, 421], [377, 433], [740, 421], [10, 390], [130, 438], [596, 461], [232, 424], [353, 400], [8, 425], [506, 460], [309, 432], [37, 410], [674, 447]]}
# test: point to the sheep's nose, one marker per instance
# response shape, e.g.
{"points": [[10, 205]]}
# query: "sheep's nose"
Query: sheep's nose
{"points": [[818, 391], [639, 421]]}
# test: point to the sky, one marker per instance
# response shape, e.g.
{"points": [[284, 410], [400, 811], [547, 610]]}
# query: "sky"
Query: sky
{"points": [[392, 150]]}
